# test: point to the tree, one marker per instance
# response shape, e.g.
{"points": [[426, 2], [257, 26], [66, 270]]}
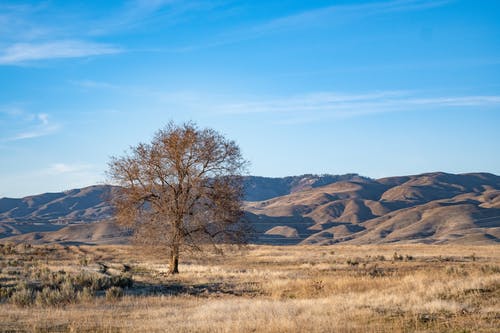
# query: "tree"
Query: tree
{"points": [[183, 190]]}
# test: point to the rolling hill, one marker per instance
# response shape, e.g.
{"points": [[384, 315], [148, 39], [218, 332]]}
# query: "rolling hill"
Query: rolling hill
{"points": [[428, 208]]}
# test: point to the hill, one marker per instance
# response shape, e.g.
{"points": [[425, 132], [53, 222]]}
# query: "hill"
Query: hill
{"points": [[428, 208]]}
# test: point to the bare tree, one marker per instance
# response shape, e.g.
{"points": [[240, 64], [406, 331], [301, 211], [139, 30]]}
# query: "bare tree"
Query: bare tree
{"points": [[182, 190]]}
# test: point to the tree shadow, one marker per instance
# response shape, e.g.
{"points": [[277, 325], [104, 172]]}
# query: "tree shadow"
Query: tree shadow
{"points": [[176, 288]]}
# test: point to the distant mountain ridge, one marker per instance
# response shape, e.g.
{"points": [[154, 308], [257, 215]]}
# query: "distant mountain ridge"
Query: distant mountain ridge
{"points": [[91, 204], [309, 209], [87, 205], [263, 188]]}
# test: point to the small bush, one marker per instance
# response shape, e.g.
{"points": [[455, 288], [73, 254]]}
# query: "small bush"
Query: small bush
{"points": [[8, 248], [352, 262], [114, 293], [103, 269], [397, 257], [50, 297], [84, 261], [86, 294], [457, 271], [490, 269], [13, 263], [316, 286], [376, 272], [23, 296], [5, 293], [122, 281]]}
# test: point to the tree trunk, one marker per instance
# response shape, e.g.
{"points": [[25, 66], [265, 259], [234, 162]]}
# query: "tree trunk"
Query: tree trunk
{"points": [[174, 260]]}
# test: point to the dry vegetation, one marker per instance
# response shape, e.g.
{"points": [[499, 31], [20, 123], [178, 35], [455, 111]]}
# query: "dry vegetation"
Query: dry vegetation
{"points": [[398, 288]]}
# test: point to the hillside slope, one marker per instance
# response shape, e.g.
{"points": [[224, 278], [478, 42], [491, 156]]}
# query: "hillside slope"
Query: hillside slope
{"points": [[427, 208]]}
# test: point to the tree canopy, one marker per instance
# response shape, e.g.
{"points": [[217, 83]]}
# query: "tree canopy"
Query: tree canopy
{"points": [[182, 190]]}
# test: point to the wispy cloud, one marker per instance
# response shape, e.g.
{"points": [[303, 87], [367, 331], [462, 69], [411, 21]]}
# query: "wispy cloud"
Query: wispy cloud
{"points": [[65, 168], [41, 32], [301, 107], [341, 13], [324, 16], [318, 106], [135, 14], [17, 23], [22, 125], [92, 84], [25, 52]]}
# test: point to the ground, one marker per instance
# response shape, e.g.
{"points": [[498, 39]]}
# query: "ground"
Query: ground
{"points": [[397, 288]]}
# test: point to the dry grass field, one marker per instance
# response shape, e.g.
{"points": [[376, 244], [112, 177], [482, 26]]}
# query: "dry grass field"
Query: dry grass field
{"points": [[390, 288]]}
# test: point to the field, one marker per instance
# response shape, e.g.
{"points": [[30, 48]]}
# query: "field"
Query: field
{"points": [[397, 288]]}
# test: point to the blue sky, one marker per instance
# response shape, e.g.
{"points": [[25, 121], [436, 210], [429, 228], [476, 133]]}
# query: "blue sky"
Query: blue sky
{"points": [[378, 88]]}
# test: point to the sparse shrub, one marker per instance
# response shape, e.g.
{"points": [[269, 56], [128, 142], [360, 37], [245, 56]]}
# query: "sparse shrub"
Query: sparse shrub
{"points": [[352, 262], [376, 272], [380, 258], [83, 279], [397, 257], [490, 269], [23, 296], [408, 257], [86, 294], [316, 286], [8, 248], [84, 261], [103, 269], [444, 259], [122, 281], [13, 263], [50, 297], [60, 288], [114, 293], [23, 248], [5, 293], [426, 317], [458, 271]]}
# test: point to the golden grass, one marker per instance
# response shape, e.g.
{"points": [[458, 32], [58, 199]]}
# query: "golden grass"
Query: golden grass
{"points": [[397, 288]]}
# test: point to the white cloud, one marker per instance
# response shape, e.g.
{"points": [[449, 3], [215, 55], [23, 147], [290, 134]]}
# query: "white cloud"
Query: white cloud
{"points": [[26, 125], [342, 13], [44, 118], [90, 84], [329, 15], [35, 133], [25, 52], [321, 105], [63, 168]]}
